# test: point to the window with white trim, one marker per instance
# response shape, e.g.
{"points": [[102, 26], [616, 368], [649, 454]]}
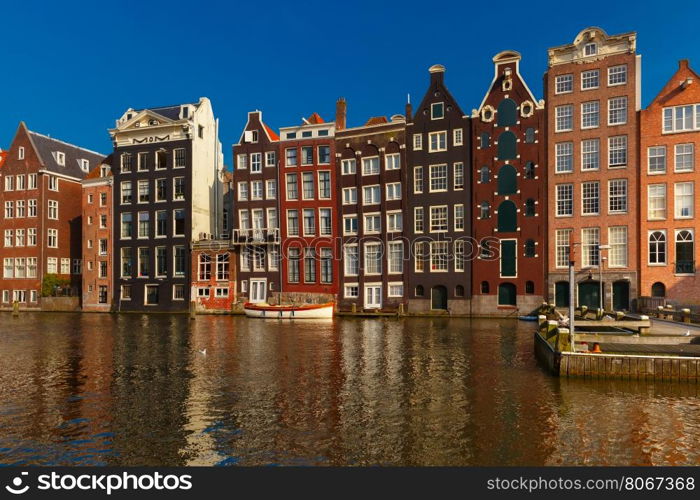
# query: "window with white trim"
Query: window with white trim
{"points": [[656, 159], [394, 222], [617, 75], [564, 157], [438, 178], [617, 151], [681, 118], [458, 177], [437, 141], [617, 110], [590, 154], [370, 165], [590, 79], [392, 161], [564, 84], [52, 238], [349, 196], [565, 200], [438, 219], [373, 258], [656, 201], [418, 219], [372, 224], [590, 241], [657, 247], [350, 224], [439, 256], [417, 142], [590, 114], [371, 195], [457, 137], [349, 166], [590, 198], [459, 217], [683, 200], [393, 191], [617, 239], [417, 179], [617, 196], [351, 260], [684, 157], [255, 163], [564, 118], [562, 242], [395, 257]]}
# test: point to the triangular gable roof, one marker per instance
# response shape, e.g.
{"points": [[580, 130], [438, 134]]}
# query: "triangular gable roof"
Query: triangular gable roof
{"points": [[673, 82], [163, 118], [315, 119], [505, 57], [438, 68], [271, 135]]}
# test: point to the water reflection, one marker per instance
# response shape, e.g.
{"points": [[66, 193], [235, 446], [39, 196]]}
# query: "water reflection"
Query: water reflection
{"points": [[135, 390]]}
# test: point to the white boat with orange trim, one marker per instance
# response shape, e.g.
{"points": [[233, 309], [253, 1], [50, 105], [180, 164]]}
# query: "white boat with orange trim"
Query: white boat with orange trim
{"points": [[303, 311]]}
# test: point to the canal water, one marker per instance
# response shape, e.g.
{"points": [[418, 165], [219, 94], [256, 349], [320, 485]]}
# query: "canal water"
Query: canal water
{"points": [[99, 389]]}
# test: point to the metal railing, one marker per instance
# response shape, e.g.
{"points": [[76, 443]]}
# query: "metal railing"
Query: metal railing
{"points": [[256, 236], [685, 266]]}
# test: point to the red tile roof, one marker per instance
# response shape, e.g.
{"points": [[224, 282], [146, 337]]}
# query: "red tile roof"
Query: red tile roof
{"points": [[376, 120], [272, 134], [3, 155], [315, 119]]}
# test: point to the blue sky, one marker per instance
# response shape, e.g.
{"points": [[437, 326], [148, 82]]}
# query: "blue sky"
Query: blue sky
{"points": [[71, 68]]}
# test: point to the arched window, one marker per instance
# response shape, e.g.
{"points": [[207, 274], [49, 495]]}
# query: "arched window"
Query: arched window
{"points": [[529, 287], [507, 180], [484, 210], [419, 291], [507, 294], [507, 114], [459, 291], [507, 217], [530, 135], [484, 175], [658, 289], [530, 170], [529, 248], [484, 287], [529, 207], [506, 146], [657, 247], [685, 251], [484, 140]]}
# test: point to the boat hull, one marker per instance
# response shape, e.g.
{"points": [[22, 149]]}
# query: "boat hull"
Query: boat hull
{"points": [[311, 311]]}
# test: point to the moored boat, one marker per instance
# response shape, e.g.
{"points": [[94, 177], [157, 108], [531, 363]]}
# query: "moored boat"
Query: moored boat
{"points": [[303, 311]]}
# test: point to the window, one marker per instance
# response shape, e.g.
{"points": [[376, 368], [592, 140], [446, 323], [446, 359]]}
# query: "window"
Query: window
{"points": [[590, 49], [617, 196], [179, 154], [292, 187], [590, 240], [394, 222], [484, 140], [617, 110], [324, 185], [20, 183], [438, 219], [459, 258], [529, 248], [309, 222], [32, 181], [292, 223], [324, 155], [291, 157], [373, 258], [484, 210], [144, 191], [656, 159], [65, 266], [350, 224], [324, 221], [204, 267], [9, 182], [563, 240], [393, 191], [685, 252], [418, 220], [530, 210], [530, 135], [31, 237], [372, 223], [20, 209], [151, 292], [271, 189], [309, 265], [272, 221], [590, 114], [685, 157], [9, 268], [395, 290], [590, 198], [126, 260], [438, 178], [9, 209], [395, 257], [103, 199], [458, 175], [392, 161], [144, 256], [371, 195], [349, 196], [565, 200], [417, 141], [349, 166], [564, 84], [590, 154], [179, 222], [590, 79], [656, 209], [102, 271], [326, 266], [19, 238], [438, 141], [370, 166], [126, 225], [52, 238], [617, 238], [53, 183], [32, 267], [103, 246], [142, 162], [438, 256], [256, 188], [160, 159], [307, 155], [255, 163], [459, 217], [180, 260], [681, 118], [417, 179], [351, 291], [351, 260], [564, 118], [484, 175], [617, 75], [683, 200], [126, 192], [437, 110], [617, 151], [657, 247], [144, 225], [20, 153], [8, 237], [178, 188], [564, 157]]}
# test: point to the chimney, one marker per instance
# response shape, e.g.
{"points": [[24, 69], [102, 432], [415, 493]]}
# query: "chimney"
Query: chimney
{"points": [[341, 114], [683, 64], [437, 73]]}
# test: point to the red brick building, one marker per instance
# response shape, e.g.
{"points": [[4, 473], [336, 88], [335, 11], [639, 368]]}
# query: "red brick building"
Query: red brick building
{"points": [[593, 94], [308, 209], [509, 173], [669, 207], [97, 290], [40, 196], [213, 275]]}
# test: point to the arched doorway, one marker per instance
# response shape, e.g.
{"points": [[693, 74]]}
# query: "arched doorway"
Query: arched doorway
{"points": [[438, 296], [561, 294], [658, 289], [589, 294], [507, 217], [507, 180], [621, 295]]}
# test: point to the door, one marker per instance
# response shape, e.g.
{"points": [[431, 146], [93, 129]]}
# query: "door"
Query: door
{"points": [[621, 295], [258, 291], [258, 224], [508, 258], [438, 297], [561, 294], [589, 294], [373, 297], [507, 294]]}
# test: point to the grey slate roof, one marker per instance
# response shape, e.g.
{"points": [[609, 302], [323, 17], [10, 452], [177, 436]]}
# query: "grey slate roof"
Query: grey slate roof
{"points": [[172, 112], [46, 147]]}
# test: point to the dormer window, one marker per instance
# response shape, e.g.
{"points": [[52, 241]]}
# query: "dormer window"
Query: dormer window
{"points": [[61, 158], [20, 153], [590, 49], [104, 170], [85, 165], [128, 116], [185, 111]]}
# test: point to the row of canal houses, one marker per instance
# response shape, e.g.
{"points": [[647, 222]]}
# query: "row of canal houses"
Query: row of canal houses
{"points": [[436, 209]]}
